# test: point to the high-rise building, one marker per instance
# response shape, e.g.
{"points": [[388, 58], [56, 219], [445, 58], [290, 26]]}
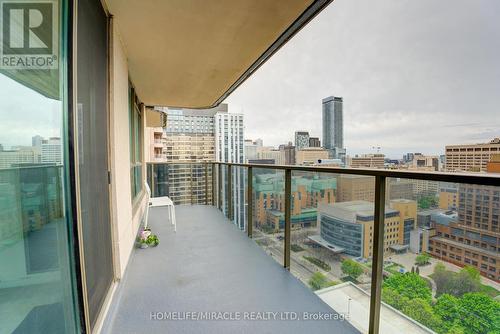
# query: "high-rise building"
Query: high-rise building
{"points": [[157, 143], [51, 151], [230, 147], [472, 238], [333, 127], [301, 139], [494, 164], [448, 196], [188, 138], [18, 156], [314, 142], [472, 157], [376, 160]]}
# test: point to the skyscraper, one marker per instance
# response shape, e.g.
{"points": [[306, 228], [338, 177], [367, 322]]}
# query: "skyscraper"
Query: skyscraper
{"points": [[333, 127], [229, 147], [301, 139]]}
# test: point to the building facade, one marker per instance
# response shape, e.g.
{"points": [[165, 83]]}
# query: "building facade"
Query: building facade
{"points": [[348, 226], [301, 139], [314, 142], [310, 156], [333, 127], [473, 238], [471, 158], [355, 188], [367, 161], [230, 147]]}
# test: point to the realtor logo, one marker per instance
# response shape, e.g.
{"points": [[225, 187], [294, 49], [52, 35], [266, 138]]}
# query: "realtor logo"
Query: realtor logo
{"points": [[29, 34]]}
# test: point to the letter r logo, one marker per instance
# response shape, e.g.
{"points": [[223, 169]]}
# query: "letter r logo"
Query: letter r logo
{"points": [[27, 28]]}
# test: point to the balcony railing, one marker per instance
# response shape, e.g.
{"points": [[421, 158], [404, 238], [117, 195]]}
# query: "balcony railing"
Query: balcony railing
{"points": [[311, 219]]}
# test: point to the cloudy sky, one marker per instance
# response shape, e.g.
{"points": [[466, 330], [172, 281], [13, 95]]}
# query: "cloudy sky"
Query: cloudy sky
{"points": [[414, 75]]}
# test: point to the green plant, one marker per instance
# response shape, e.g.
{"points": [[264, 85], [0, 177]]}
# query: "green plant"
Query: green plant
{"points": [[319, 281], [153, 240], [422, 259], [351, 268], [323, 265], [296, 248]]}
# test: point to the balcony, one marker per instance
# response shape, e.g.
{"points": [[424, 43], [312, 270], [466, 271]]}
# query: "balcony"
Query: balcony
{"points": [[272, 229], [209, 265]]}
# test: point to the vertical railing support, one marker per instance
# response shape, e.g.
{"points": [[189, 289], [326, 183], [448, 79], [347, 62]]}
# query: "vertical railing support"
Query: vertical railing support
{"points": [[288, 211], [378, 255], [219, 185], [229, 195], [213, 183], [206, 183], [249, 202], [152, 181]]}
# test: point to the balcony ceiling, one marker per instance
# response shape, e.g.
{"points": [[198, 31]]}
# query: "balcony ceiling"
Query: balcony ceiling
{"points": [[194, 53]]}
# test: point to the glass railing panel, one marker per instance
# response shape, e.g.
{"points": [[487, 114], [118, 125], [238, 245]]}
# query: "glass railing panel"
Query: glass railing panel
{"points": [[268, 211], [332, 240], [442, 259]]}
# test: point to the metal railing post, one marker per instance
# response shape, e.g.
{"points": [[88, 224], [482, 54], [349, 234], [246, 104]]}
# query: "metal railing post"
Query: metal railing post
{"points": [[378, 255], [206, 183], [213, 183], [219, 185], [250, 202], [288, 210], [152, 180], [229, 195]]}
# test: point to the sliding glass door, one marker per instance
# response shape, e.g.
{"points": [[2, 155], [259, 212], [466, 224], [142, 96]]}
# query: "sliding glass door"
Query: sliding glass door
{"points": [[37, 276]]}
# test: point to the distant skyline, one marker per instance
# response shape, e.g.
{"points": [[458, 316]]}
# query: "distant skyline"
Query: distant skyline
{"points": [[414, 75]]}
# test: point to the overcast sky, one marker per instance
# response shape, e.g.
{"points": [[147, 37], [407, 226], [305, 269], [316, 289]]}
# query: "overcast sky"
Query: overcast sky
{"points": [[415, 76]]}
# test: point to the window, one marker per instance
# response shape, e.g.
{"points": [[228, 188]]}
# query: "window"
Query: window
{"points": [[136, 139]]}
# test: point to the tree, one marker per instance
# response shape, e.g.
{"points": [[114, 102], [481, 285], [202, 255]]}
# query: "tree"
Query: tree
{"points": [[320, 281], [479, 314], [421, 311], [351, 268], [393, 298], [422, 259], [409, 285], [457, 284], [447, 309]]}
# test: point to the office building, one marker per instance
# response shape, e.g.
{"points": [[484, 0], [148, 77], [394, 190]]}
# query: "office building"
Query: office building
{"points": [[424, 162], [310, 156], [471, 157], [448, 196], [348, 226], [307, 193], [301, 139], [51, 151], [19, 156], [250, 150], [267, 153], [399, 188], [187, 139], [229, 147], [289, 151], [355, 188], [314, 142], [333, 127], [424, 188], [472, 237], [376, 160]]}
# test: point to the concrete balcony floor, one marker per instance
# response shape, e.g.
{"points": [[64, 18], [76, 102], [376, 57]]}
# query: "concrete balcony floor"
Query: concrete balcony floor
{"points": [[209, 265]]}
